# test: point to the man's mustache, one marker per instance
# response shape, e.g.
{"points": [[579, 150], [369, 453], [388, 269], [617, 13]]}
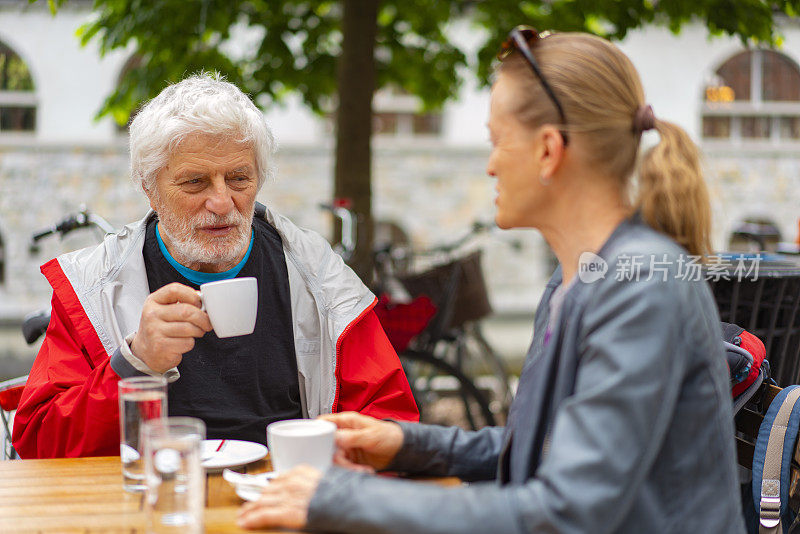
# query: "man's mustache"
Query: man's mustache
{"points": [[234, 218]]}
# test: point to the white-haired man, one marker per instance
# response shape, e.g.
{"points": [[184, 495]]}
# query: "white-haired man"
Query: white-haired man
{"points": [[200, 151]]}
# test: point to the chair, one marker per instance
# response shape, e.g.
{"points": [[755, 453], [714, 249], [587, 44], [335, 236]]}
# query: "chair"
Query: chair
{"points": [[10, 394], [768, 306]]}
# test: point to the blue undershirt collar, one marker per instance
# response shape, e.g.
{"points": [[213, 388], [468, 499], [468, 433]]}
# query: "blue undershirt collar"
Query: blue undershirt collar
{"points": [[196, 277]]}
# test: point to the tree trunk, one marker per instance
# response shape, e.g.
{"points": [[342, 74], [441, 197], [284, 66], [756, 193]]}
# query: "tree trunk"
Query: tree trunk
{"points": [[356, 77]]}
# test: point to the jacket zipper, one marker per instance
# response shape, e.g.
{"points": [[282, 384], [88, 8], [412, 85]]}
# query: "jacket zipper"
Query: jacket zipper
{"points": [[368, 309]]}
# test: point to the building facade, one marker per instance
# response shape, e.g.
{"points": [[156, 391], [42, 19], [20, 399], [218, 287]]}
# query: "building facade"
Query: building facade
{"points": [[741, 106]]}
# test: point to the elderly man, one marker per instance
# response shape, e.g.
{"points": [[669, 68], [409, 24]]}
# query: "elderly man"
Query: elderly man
{"points": [[200, 151]]}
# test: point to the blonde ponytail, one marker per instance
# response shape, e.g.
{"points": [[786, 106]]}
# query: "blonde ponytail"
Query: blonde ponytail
{"points": [[672, 194]]}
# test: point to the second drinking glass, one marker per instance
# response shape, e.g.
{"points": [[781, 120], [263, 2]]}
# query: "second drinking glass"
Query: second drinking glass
{"points": [[174, 473]]}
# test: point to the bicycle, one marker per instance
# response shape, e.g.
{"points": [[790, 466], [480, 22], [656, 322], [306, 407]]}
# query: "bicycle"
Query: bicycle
{"points": [[455, 375], [454, 281]]}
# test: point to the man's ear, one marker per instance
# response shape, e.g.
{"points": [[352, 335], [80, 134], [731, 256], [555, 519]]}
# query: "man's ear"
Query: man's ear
{"points": [[151, 195], [552, 150]]}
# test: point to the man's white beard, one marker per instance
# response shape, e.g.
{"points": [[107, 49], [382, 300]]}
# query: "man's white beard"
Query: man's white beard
{"points": [[190, 248]]}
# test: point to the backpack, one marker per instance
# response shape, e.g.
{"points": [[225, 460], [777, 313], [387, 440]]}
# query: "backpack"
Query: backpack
{"points": [[747, 363], [769, 497], [776, 447]]}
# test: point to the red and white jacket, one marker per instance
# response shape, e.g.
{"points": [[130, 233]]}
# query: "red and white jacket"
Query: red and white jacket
{"points": [[70, 404]]}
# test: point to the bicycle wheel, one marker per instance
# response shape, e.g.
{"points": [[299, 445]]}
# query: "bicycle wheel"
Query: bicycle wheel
{"points": [[477, 358], [444, 394]]}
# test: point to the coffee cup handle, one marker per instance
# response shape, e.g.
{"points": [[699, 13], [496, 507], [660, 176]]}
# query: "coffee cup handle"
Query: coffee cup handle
{"points": [[202, 302]]}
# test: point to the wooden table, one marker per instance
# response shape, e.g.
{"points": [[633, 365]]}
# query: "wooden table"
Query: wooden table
{"points": [[85, 495]]}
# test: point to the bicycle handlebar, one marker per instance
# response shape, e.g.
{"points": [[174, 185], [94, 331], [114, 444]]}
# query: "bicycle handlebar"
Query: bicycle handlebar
{"points": [[72, 221], [478, 227], [101, 223], [341, 210]]}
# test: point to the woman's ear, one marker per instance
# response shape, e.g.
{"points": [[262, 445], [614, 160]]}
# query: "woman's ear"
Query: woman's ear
{"points": [[552, 150]]}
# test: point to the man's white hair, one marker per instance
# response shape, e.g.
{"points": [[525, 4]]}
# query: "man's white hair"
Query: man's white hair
{"points": [[203, 104]]}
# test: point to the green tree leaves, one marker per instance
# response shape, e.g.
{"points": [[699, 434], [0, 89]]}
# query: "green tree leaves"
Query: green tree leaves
{"points": [[298, 42]]}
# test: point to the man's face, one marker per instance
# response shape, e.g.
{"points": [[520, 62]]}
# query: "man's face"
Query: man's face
{"points": [[204, 198]]}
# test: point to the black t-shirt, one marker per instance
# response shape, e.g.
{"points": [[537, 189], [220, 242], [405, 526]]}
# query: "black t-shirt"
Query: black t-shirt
{"points": [[238, 385]]}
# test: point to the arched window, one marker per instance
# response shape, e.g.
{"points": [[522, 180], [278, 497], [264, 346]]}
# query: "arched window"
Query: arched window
{"points": [[397, 113], [17, 97], [753, 99]]}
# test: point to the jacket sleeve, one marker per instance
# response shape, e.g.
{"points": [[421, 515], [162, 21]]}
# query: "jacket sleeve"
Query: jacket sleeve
{"points": [[434, 450], [370, 377], [69, 406]]}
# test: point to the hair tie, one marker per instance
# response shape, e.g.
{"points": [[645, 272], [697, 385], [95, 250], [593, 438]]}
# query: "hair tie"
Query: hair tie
{"points": [[644, 119]]}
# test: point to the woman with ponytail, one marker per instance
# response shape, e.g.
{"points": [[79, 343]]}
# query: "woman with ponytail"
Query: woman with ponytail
{"points": [[622, 421]]}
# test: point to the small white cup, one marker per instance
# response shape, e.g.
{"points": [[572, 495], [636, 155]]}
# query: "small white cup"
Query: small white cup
{"points": [[301, 441], [231, 305]]}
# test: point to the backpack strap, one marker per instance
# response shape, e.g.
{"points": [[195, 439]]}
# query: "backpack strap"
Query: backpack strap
{"points": [[770, 502]]}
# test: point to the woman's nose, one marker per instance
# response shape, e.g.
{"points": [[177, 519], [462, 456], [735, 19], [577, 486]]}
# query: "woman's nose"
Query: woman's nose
{"points": [[490, 167]]}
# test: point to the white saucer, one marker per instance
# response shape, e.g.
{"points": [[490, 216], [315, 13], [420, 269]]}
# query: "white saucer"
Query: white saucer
{"points": [[245, 486], [232, 454], [247, 493]]}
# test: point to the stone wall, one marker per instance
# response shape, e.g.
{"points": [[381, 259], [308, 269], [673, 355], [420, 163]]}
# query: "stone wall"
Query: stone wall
{"points": [[765, 184], [37, 187], [434, 193]]}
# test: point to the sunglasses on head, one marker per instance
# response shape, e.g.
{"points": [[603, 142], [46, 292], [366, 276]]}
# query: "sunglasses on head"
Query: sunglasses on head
{"points": [[522, 38]]}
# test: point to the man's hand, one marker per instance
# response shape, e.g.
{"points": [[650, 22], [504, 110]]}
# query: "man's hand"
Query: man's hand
{"points": [[171, 319], [363, 442], [284, 502]]}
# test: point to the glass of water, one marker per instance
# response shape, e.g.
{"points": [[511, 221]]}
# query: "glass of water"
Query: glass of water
{"points": [[140, 399], [176, 482]]}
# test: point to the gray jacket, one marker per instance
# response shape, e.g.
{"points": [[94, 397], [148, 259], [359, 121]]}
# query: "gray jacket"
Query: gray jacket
{"points": [[622, 422]]}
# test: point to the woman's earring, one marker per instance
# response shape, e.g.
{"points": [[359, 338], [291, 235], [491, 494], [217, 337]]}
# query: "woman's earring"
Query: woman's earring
{"points": [[544, 180]]}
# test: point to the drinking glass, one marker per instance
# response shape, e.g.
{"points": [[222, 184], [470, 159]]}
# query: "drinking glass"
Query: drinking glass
{"points": [[174, 474], [141, 398]]}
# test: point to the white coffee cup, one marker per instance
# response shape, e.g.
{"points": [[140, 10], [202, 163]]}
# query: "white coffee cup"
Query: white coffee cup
{"points": [[231, 305], [301, 441]]}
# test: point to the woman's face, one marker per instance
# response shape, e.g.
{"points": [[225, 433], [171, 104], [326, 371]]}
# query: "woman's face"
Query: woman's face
{"points": [[521, 196]]}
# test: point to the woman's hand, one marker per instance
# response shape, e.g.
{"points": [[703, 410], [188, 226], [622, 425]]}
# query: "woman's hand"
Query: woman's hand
{"points": [[284, 502], [365, 443]]}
